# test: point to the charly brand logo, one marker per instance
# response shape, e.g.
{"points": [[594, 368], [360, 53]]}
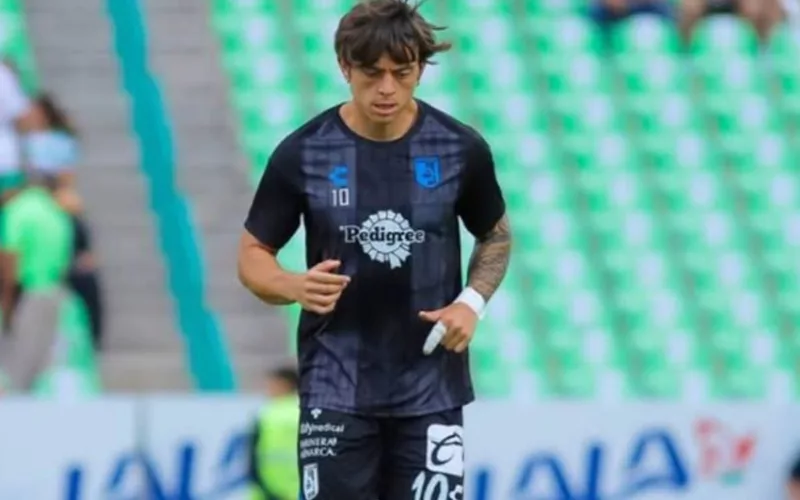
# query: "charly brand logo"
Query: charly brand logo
{"points": [[385, 236], [316, 412], [445, 450]]}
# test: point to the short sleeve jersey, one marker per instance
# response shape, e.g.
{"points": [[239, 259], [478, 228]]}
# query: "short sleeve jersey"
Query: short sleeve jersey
{"points": [[389, 211], [40, 234]]}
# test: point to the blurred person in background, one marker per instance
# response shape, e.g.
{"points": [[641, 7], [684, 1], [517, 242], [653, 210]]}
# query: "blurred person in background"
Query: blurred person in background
{"points": [[793, 481], [83, 277], [762, 14], [52, 149], [38, 239], [607, 12], [273, 450]]}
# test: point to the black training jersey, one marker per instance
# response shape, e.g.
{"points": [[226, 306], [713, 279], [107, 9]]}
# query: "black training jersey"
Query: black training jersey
{"points": [[389, 212]]}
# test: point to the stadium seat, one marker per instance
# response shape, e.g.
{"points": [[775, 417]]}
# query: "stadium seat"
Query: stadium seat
{"points": [[644, 35], [719, 36]]}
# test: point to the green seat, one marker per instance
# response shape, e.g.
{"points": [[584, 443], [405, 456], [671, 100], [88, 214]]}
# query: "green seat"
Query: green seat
{"points": [[504, 73], [677, 155], [552, 9], [733, 74], [601, 154], [784, 43], [565, 36], [465, 10], [644, 35], [659, 116], [583, 114], [510, 113], [322, 8], [745, 114], [653, 74], [695, 192], [481, 38], [576, 74], [532, 151], [14, 43], [721, 36]]}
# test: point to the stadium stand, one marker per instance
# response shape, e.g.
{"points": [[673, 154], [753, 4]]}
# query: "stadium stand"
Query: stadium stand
{"points": [[213, 175], [652, 187], [74, 369]]}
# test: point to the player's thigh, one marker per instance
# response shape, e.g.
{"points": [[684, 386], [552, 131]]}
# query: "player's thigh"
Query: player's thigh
{"points": [[339, 455], [424, 458]]}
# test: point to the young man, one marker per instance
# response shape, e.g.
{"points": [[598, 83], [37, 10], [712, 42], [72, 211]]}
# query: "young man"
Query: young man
{"points": [[380, 183]]}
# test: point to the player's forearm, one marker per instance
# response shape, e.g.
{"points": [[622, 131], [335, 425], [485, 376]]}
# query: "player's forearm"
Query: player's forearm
{"points": [[260, 272], [490, 258]]}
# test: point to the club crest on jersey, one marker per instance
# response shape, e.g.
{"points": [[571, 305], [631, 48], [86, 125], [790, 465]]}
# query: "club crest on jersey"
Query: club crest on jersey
{"points": [[427, 172], [385, 236], [310, 481]]}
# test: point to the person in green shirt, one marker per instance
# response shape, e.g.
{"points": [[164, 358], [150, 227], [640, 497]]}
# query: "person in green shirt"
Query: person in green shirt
{"points": [[37, 237], [273, 450]]}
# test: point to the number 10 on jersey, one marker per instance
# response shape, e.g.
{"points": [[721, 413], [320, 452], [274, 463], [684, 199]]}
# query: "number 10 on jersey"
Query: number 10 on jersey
{"points": [[340, 197]]}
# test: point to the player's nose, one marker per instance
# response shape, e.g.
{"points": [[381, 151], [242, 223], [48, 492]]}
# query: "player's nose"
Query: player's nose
{"points": [[387, 85]]}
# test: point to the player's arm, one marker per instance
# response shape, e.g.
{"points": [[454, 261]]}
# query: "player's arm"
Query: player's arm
{"points": [[16, 105], [490, 257], [483, 211], [12, 243], [273, 219]]}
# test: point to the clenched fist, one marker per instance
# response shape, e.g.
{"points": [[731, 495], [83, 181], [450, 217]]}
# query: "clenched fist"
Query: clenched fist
{"points": [[319, 288]]}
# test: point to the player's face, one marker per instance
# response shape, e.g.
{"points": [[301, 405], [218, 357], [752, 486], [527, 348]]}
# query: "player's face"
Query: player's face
{"points": [[382, 91], [277, 387]]}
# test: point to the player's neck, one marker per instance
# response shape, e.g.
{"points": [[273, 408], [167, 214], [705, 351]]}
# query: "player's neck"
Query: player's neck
{"points": [[359, 123]]}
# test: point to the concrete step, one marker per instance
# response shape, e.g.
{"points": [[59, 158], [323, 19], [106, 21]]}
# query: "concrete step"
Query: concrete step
{"points": [[144, 371]]}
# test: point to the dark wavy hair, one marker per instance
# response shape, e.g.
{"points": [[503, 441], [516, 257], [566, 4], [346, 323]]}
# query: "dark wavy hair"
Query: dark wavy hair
{"points": [[55, 115], [394, 27]]}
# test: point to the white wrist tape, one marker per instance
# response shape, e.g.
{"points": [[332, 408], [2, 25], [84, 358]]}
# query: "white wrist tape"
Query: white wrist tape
{"points": [[470, 298]]}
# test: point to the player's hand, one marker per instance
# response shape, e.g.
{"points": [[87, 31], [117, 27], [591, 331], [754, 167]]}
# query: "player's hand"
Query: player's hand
{"points": [[320, 287], [453, 329]]}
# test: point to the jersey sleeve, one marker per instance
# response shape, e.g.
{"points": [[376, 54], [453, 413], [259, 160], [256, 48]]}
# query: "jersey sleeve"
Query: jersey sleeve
{"points": [[277, 206], [480, 203], [15, 102]]}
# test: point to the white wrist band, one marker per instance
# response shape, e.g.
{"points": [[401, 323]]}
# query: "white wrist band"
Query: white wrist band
{"points": [[472, 299]]}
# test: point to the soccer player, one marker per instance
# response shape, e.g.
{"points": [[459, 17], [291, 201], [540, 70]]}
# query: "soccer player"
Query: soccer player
{"points": [[380, 183]]}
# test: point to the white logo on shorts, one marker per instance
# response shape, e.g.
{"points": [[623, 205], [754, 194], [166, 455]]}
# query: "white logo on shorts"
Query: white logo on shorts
{"points": [[316, 412], [445, 449], [385, 236], [310, 481]]}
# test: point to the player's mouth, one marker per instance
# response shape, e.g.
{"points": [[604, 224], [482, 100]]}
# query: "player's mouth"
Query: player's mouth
{"points": [[384, 109]]}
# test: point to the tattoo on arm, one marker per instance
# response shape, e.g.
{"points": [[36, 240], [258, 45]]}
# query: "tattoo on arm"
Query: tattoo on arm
{"points": [[489, 261]]}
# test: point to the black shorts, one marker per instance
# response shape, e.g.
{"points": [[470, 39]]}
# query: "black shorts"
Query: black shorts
{"points": [[351, 457]]}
